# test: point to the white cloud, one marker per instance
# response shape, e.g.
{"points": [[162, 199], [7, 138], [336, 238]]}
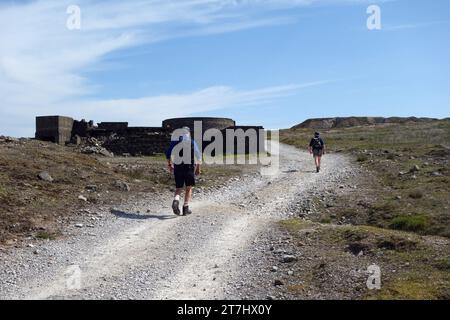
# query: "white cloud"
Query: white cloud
{"points": [[415, 25], [43, 64], [152, 110]]}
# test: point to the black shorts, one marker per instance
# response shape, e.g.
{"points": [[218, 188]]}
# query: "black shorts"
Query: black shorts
{"points": [[317, 152], [184, 175]]}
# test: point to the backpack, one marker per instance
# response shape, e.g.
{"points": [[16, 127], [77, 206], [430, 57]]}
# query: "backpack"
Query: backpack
{"points": [[178, 158], [317, 144]]}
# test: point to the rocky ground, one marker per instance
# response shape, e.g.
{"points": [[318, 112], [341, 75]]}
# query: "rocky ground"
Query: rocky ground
{"points": [[45, 186], [141, 250], [286, 236]]}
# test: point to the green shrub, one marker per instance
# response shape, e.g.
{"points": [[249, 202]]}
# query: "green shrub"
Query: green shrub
{"points": [[45, 235], [409, 223]]}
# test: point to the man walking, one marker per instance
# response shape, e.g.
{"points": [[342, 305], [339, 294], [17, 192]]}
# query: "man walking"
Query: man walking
{"points": [[317, 149], [184, 161]]}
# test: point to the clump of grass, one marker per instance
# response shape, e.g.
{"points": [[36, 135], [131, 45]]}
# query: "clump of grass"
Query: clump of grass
{"points": [[443, 264], [2, 191], [390, 156], [362, 158], [396, 243], [295, 225], [136, 173], [409, 287], [414, 223], [416, 194], [45, 235], [325, 220]]}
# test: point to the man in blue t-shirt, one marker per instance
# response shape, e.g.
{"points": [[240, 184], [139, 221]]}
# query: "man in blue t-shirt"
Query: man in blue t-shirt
{"points": [[184, 167], [317, 149]]}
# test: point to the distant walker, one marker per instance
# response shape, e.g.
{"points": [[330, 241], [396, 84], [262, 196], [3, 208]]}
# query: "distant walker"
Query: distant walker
{"points": [[317, 149]]}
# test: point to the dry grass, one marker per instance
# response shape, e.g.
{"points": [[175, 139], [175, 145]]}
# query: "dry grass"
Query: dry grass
{"points": [[412, 266], [396, 193], [28, 204]]}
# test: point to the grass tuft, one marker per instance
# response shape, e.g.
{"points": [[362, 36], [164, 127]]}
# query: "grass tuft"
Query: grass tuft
{"points": [[362, 158], [415, 223]]}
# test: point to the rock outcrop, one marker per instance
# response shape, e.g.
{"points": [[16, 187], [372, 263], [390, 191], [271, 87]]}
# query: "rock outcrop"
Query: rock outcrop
{"points": [[347, 122]]}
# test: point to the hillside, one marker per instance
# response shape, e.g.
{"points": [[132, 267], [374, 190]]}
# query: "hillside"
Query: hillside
{"points": [[44, 186], [347, 122], [396, 212], [408, 174]]}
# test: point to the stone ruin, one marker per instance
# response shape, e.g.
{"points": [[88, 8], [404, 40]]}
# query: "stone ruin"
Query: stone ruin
{"points": [[118, 138]]}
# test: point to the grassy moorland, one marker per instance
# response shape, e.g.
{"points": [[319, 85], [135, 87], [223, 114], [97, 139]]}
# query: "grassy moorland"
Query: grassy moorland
{"points": [[408, 187], [33, 208], [398, 214]]}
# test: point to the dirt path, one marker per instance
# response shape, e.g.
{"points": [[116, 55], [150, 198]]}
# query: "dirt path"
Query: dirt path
{"points": [[142, 251]]}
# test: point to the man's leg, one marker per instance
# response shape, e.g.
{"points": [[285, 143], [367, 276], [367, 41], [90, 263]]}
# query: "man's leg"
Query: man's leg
{"points": [[176, 201], [316, 161], [319, 159], [188, 195], [187, 199]]}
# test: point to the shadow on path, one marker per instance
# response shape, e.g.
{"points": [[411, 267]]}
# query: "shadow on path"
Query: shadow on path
{"points": [[137, 216]]}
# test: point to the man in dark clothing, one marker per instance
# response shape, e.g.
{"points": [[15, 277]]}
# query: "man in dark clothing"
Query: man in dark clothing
{"points": [[317, 149], [185, 166]]}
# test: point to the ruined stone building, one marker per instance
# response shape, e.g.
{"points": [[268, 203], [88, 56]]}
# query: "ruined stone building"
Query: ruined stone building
{"points": [[119, 138]]}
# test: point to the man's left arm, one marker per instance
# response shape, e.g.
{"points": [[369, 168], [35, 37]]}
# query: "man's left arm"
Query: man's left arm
{"points": [[198, 159]]}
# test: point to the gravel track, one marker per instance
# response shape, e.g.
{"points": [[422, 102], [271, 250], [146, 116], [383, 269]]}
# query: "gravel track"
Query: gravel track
{"points": [[140, 250]]}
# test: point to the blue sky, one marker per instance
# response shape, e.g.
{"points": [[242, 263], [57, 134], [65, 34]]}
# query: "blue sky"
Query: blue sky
{"points": [[268, 62]]}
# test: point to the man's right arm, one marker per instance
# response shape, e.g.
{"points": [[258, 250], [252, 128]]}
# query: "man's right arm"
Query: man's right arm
{"points": [[169, 155]]}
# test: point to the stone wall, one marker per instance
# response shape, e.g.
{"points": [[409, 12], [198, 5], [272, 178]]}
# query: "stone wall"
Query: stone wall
{"points": [[250, 132], [82, 128], [138, 141], [56, 129], [119, 138], [207, 123]]}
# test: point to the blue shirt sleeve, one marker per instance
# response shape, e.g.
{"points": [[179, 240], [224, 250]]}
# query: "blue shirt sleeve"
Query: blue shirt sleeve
{"points": [[169, 151], [197, 153]]}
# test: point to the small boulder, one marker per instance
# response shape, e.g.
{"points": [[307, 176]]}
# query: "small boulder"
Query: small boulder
{"points": [[82, 198], [45, 176], [278, 282], [105, 153], [288, 258], [91, 187], [123, 186]]}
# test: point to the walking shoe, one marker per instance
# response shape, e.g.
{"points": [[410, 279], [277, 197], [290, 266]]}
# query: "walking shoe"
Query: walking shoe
{"points": [[317, 169], [176, 207], [186, 210]]}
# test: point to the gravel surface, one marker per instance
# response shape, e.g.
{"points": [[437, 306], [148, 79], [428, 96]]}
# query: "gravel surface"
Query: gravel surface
{"points": [[140, 250]]}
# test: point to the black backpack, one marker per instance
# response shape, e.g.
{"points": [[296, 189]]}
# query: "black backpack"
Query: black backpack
{"points": [[192, 149], [317, 144]]}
